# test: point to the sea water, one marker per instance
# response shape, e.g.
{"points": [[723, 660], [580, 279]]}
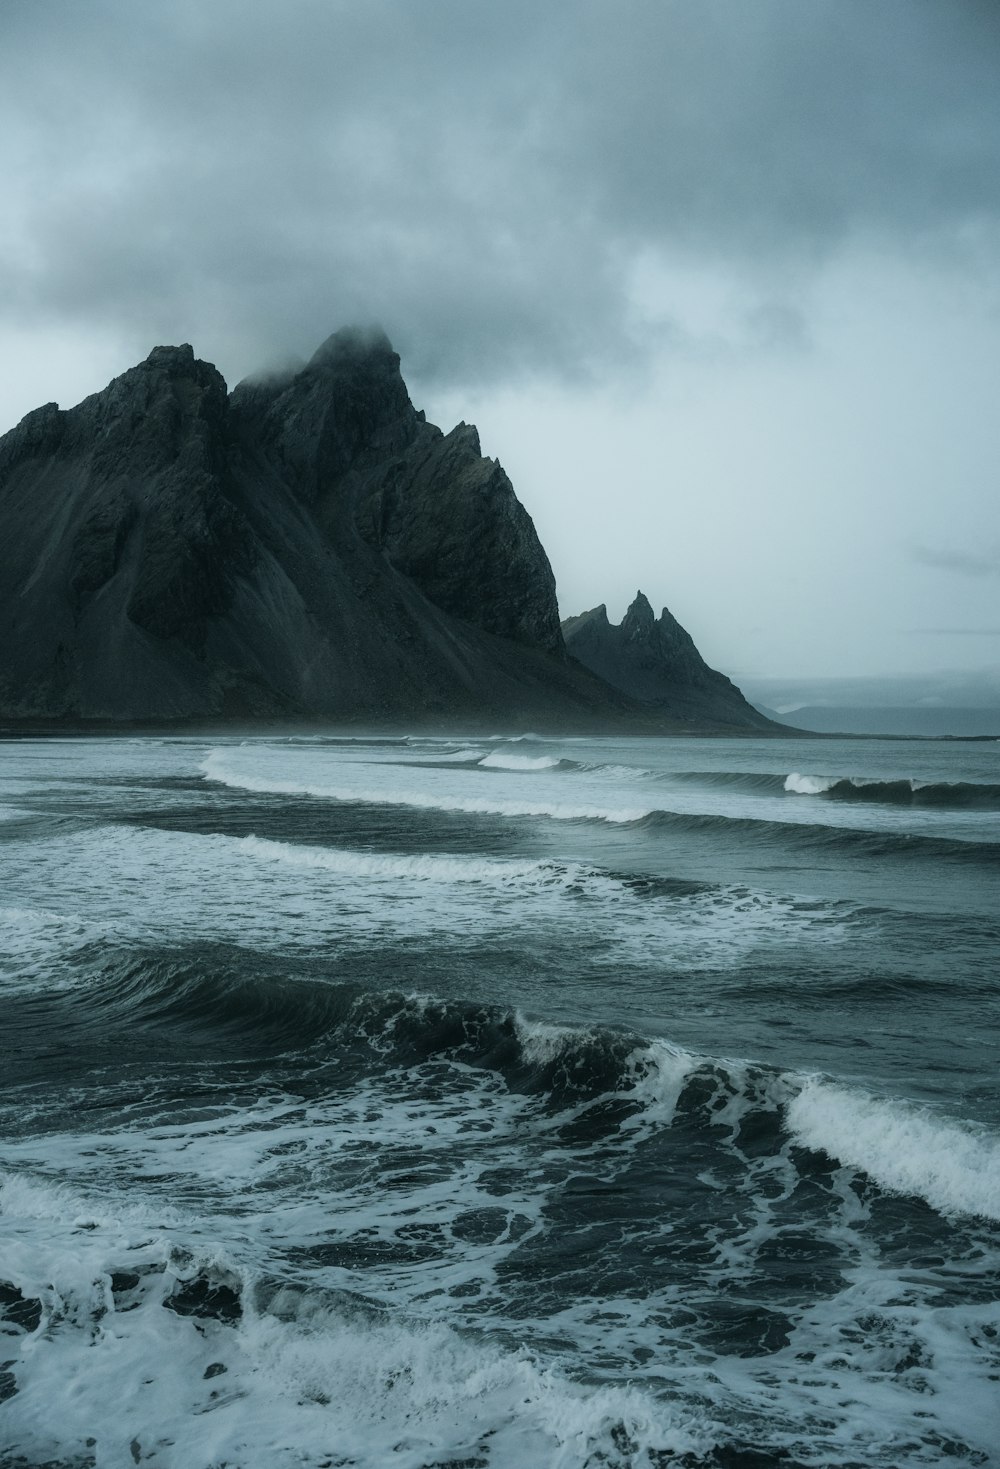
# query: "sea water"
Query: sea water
{"points": [[499, 1102]]}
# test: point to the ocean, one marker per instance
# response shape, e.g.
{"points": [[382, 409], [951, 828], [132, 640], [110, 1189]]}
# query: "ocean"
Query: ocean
{"points": [[493, 1103]]}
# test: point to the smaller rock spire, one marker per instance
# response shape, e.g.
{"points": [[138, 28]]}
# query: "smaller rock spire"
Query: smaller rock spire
{"points": [[639, 621]]}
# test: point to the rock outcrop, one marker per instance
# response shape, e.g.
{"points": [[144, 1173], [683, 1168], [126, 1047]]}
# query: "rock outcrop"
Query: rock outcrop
{"points": [[307, 546], [655, 662]]}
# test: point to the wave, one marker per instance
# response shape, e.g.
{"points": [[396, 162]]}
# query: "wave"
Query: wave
{"points": [[613, 1081], [858, 841], [500, 761], [609, 1082], [566, 1064], [214, 769], [35, 942], [951, 795], [402, 867], [491, 760], [861, 842], [743, 780], [211, 1360], [26, 1197], [436, 758], [903, 1148]]}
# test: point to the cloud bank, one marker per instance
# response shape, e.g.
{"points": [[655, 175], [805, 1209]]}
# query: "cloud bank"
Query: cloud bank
{"points": [[487, 181]]}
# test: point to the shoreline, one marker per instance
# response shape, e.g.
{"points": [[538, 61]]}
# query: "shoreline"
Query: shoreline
{"points": [[357, 729]]}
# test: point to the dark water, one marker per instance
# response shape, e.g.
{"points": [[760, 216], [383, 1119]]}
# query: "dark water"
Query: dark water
{"points": [[499, 1103]]}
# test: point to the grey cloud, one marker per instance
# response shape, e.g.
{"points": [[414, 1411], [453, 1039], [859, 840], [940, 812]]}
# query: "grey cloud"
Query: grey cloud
{"points": [[966, 563], [478, 178]]}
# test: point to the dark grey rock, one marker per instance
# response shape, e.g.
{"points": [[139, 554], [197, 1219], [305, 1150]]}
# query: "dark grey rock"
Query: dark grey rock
{"points": [[206, 1298], [23, 1312], [655, 662]]}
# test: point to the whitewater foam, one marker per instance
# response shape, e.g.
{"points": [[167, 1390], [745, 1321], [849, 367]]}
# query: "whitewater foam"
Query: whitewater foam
{"points": [[808, 785], [34, 940], [402, 1190], [499, 761], [658, 1075], [541, 1042], [394, 867], [270, 1393], [903, 1148], [214, 769]]}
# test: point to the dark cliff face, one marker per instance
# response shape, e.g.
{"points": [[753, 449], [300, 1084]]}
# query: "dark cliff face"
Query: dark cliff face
{"points": [[655, 662], [307, 545], [345, 432]]}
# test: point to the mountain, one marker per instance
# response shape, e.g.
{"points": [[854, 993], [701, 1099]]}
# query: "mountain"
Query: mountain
{"points": [[655, 663], [307, 546]]}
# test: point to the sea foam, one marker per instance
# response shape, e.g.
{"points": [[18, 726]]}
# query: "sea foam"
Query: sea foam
{"points": [[277, 1392], [499, 761], [214, 768], [394, 867], [808, 785]]}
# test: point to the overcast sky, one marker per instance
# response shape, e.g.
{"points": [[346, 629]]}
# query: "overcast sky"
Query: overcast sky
{"points": [[719, 280]]}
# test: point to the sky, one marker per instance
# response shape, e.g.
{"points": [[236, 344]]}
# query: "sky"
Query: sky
{"points": [[718, 280]]}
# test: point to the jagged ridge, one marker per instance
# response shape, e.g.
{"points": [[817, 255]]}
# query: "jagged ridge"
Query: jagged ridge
{"points": [[655, 662]]}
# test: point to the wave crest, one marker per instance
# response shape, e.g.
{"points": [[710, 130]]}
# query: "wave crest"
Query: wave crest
{"points": [[394, 866], [499, 761], [953, 795], [214, 768], [903, 1148]]}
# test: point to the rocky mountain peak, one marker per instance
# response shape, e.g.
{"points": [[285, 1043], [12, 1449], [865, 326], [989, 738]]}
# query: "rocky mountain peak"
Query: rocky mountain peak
{"points": [[173, 366], [656, 662], [308, 543], [315, 424], [639, 621], [356, 345], [171, 359]]}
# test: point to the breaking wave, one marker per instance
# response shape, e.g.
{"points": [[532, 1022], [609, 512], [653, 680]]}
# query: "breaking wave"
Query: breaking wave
{"points": [[953, 795], [214, 769], [500, 761], [397, 867], [902, 1148], [947, 795], [799, 834], [622, 1080], [564, 1063], [208, 1361]]}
